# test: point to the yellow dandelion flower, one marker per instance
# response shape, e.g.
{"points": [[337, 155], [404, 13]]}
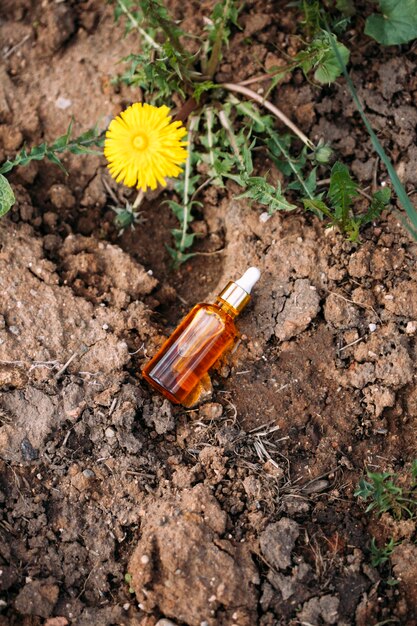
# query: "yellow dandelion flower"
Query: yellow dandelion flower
{"points": [[143, 146]]}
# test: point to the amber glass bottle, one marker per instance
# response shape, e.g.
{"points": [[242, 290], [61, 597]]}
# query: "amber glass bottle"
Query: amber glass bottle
{"points": [[199, 341]]}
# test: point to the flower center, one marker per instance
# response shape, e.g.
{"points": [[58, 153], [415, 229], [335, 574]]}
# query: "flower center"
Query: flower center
{"points": [[140, 142]]}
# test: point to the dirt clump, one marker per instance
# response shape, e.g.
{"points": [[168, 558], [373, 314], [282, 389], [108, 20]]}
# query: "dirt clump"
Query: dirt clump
{"points": [[181, 540]]}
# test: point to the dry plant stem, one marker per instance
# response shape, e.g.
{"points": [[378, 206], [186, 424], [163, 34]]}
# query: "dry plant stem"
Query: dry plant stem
{"points": [[138, 200], [256, 79], [274, 110], [217, 47]]}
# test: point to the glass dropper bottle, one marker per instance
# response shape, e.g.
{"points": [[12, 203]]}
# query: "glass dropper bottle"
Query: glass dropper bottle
{"points": [[202, 337]]}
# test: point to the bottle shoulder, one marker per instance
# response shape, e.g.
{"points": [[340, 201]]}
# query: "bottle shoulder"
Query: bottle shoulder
{"points": [[216, 310]]}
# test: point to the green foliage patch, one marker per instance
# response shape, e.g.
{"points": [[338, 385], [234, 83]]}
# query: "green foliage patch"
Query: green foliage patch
{"points": [[396, 24]]}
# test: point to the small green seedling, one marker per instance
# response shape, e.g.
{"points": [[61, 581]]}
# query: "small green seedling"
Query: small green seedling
{"points": [[128, 580], [339, 208], [379, 556], [384, 495]]}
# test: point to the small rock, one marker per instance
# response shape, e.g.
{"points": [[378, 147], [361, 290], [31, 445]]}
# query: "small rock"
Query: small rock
{"points": [[256, 22], [28, 451], [165, 622], [212, 410], [299, 310], [377, 398], [110, 433], [37, 598], [325, 607], [264, 217], [57, 621], [160, 417], [88, 473], [63, 103], [411, 328], [341, 313], [81, 482], [277, 542], [61, 197], [12, 138]]}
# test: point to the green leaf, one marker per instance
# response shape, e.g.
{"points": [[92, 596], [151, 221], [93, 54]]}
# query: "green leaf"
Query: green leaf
{"points": [[7, 198], [258, 189], [396, 25], [318, 207], [346, 7], [343, 189], [328, 68]]}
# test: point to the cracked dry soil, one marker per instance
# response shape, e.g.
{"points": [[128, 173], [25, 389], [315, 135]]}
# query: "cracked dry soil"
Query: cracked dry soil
{"points": [[241, 510]]}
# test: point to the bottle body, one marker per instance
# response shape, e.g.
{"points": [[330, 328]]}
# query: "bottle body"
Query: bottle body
{"points": [[192, 349]]}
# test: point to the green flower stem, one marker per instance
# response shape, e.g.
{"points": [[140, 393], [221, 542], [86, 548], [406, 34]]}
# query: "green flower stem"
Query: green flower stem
{"points": [[300, 179], [225, 122], [138, 27], [210, 142], [191, 129]]}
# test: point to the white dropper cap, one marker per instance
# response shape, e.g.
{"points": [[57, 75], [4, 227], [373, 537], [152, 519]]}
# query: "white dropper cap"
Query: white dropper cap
{"points": [[249, 278], [237, 293]]}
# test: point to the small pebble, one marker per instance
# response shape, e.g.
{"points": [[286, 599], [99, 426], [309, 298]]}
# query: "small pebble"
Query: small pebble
{"points": [[88, 473], [411, 328], [372, 328], [126, 606], [264, 217], [212, 410], [14, 330], [109, 432], [144, 559], [63, 103], [28, 451]]}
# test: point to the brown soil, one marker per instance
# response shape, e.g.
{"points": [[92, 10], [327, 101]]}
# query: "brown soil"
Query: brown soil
{"points": [[213, 521]]}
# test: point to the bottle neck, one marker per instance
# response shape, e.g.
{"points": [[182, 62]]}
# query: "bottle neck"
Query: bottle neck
{"points": [[226, 307], [233, 298]]}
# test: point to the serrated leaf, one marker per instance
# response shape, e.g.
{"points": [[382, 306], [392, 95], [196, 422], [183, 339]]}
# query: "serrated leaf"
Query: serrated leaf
{"points": [[317, 206], [396, 25], [7, 198], [258, 189], [342, 190]]}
